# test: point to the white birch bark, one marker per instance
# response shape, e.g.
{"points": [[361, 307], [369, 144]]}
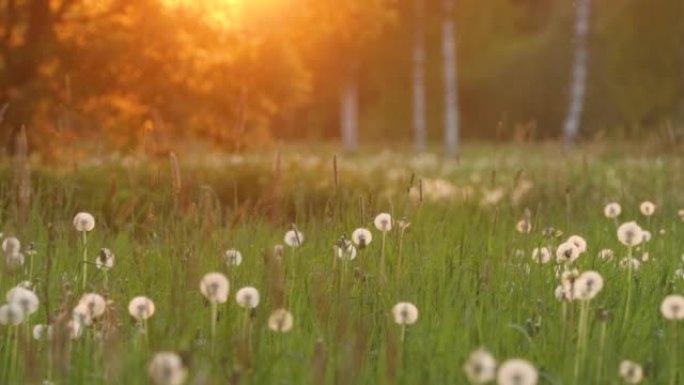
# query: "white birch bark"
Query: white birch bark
{"points": [[349, 114], [419, 123], [578, 86], [450, 86]]}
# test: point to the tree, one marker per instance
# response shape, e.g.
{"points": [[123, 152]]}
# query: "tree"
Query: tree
{"points": [[451, 123], [579, 74], [419, 119]]}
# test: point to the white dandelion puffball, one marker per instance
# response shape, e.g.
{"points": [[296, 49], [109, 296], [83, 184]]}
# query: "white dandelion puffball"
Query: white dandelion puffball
{"points": [[672, 307], [280, 320], [630, 234], [74, 328], [626, 263], [517, 371], [578, 241], [247, 297], [11, 314], [215, 287], [405, 313], [647, 208], [612, 210], [11, 245], [25, 298], [141, 308], [679, 273], [383, 222], [567, 252], [42, 332], [294, 238], [541, 255], [14, 261], [587, 285], [92, 306], [561, 293], [345, 251], [646, 236], [631, 372], [104, 260], [167, 368], [362, 237], [232, 257], [606, 255], [480, 367], [84, 222], [523, 226]]}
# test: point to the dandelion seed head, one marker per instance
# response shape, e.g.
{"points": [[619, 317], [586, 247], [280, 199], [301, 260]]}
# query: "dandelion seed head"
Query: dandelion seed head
{"points": [[578, 241], [167, 368], [405, 313], [567, 252], [630, 234], [232, 257], [84, 222], [362, 237], [631, 372], [672, 307], [25, 298], [11, 314], [524, 226], [281, 321], [517, 371], [383, 222], [105, 259], [612, 210], [90, 307], [541, 255], [215, 287], [626, 262], [293, 238], [42, 332], [480, 367], [11, 245], [247, 297], [587, 285], [647, 208], [14, 261], [141, 308], [646, 236], [606, 255], [74, 327]]}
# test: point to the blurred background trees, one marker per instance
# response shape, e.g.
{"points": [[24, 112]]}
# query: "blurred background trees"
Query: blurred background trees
{"points": [[127, 74]]}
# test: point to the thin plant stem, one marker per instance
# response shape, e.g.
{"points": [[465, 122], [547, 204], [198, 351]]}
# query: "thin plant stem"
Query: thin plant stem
{"points": [[602, 345], [581, 338], [382, 256], [674, 348], [85, 260], [214, 315], [629, 287]]}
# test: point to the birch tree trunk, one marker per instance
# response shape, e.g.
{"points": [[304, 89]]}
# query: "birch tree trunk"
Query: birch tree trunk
{"points": [[450, 85], [349, 119], [419, 124], [578, 86]]}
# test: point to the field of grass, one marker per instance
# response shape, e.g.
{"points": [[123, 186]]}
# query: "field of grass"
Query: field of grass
{"points": [[454, 251]]}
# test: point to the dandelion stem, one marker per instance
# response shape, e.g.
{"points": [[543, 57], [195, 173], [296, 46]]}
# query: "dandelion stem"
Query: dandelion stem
{"points": [[382, 256], [675, 347], [85, 260], [581, 338], [399, 262], [629, 287], [214, 315], [602, 344]]}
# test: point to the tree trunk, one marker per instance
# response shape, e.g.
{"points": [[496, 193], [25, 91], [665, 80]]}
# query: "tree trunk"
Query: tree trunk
{"points": [[450, 85], [578, 86], [349, 119], [419, 124]]}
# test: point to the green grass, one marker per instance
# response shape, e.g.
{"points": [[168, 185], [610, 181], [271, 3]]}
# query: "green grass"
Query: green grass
{"points": [[461, 265]]}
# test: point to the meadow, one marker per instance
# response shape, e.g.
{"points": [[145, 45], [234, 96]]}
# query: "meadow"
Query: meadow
{"points": [[507, 266]]}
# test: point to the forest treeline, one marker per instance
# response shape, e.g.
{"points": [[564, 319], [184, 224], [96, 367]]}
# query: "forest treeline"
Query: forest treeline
{"points": [[238, 72]]}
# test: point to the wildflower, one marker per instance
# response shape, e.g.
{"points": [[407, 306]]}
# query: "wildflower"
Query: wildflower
{"points": [[625, 262], [672, 307], [11, 314], [578, 241], [561, 293], [480, 367], [90, 307], [612, 210], [646, 236], [630, 234], [679, 273], [631, 372], [14, 261], [42, 332], [647, 208], [84, 222], [232, 257], [362, 237], [215, 287], [344, 249], [74, 328], [105, 260], [404, 223], [141, 308], [294, 238], [247, 297], [541, 255], [405, 313], [567, 252], [645, 256], [167, 368], [517, 371], [11, 245], [587, 285], [280, 320], [383, 222], [26, 299], [606, 254], [681, 214], [551, 231], [524, 226]]}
